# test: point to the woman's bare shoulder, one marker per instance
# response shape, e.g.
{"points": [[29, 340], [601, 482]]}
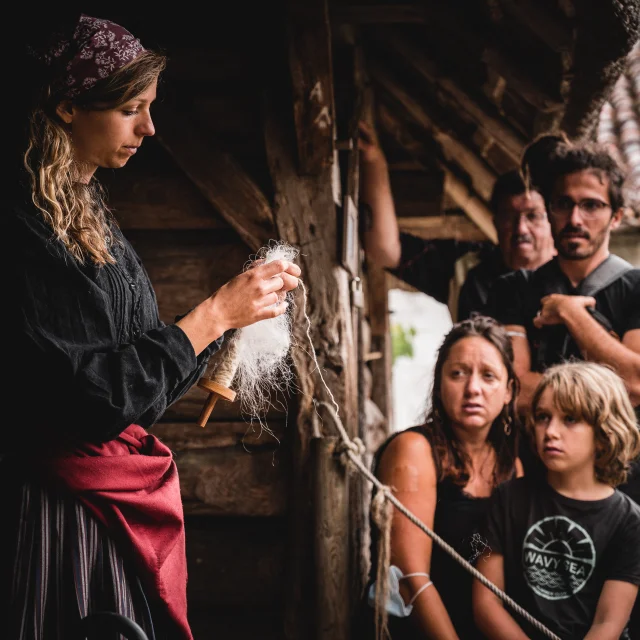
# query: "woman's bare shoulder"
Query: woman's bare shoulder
{"points": [[411, 450]]}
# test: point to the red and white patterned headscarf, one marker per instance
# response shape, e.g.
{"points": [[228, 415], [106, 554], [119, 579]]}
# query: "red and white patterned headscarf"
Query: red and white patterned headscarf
{"points": [[96, 49]]}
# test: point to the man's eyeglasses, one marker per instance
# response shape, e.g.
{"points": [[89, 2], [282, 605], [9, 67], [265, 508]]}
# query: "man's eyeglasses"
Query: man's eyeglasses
{"points": [[531, 219], [563, 206]]}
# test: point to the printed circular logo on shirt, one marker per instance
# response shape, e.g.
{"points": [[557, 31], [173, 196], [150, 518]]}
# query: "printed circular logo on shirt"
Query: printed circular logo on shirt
{"points": [[558, 557]]}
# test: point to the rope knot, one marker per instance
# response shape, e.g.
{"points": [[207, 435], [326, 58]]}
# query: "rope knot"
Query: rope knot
{"points": [[356, 446]]}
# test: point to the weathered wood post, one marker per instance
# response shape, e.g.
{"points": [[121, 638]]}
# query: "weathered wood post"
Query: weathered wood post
{"points": [[331, 533], [299, 143]]}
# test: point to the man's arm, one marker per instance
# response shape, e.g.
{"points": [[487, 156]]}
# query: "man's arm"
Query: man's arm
{"points": [[381, 236], [595, 342], [613, 610], [427, 265], [522, 365]]}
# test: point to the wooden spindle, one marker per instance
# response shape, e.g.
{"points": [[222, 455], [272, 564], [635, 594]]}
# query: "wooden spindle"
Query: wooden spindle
{"points": [[219, 384]]}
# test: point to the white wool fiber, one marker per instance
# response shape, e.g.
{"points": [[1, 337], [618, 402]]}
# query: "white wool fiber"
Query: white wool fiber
{"points": [[263, 348]]}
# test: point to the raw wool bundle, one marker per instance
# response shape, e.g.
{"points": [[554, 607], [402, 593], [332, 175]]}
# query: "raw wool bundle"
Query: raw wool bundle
{"points": [[381, 512], [262, 349]]}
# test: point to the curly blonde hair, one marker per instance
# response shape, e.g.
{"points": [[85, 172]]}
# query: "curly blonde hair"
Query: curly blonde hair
{"points": [[76, 212], [596, 394]]}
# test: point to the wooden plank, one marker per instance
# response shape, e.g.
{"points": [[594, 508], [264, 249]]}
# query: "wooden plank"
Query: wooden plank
{"points": [[154, 194], [312, 83], [234, 482], [234, 562], [187, 267], [454, 150], [378, 300], [332, 528], [449, 227], [221, 180], [471, 204], [180, 436]]}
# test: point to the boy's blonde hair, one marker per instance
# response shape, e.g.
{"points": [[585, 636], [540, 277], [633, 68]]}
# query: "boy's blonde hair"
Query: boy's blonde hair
{"points": [[596, 394]]}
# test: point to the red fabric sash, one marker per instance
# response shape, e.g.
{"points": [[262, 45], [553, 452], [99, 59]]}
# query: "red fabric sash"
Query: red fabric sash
{"points": [[131, 485]]}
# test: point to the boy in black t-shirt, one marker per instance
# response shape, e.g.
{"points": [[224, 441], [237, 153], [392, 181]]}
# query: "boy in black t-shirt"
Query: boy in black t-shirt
{"points": [[564, 543]]}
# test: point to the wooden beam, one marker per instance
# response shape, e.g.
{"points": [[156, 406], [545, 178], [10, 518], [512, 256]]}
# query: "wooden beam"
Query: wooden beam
{"points": [[449, 227], [306, 217], [182, 436], [482, 176], [460, 193], [473, 206], [451, 95], [332, 529], [312, 84], [378, 303], [377, 14], [219, 178], [160, 201], [529, 89]]}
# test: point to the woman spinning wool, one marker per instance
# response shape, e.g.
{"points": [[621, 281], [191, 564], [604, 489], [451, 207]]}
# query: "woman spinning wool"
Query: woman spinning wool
{"points": [[444, 472], [92, 517]]}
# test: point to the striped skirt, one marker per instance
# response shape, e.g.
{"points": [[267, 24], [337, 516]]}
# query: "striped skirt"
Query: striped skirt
{"points": [[65, 567]]}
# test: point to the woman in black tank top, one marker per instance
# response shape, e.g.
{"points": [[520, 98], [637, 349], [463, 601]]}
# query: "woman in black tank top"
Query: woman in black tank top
{"points": [[443, 472]]}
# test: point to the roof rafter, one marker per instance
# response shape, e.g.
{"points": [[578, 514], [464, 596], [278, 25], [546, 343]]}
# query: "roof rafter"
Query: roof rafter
{"points": [[465, 198], [503, 134], [482, 176]]}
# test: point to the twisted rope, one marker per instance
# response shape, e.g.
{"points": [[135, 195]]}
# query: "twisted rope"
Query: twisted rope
{"points": [[353, 449]]}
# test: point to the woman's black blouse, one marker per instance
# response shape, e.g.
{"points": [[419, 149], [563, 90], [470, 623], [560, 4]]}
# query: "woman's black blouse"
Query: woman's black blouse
{"points": [[458, 520], [86, 353]]}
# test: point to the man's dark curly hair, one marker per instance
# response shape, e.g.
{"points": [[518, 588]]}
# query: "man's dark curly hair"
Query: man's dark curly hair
{"points": [[566, 158]]}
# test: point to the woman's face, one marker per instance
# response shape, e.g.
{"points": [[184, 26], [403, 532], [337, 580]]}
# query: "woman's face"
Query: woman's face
{"points": [[109, 138], [474, 385]]}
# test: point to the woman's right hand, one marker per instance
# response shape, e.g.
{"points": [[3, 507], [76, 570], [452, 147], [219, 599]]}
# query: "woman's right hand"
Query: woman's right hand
{"points": [[254, 295]]}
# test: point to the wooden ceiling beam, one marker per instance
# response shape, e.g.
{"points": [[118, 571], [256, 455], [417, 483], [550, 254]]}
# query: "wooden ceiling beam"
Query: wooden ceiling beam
{"points": [[441, 18], [465, 198], [503, 135], [447, 227], [310, 65], [446, 24], [220, 179], [525, 86], [482, 176]]}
